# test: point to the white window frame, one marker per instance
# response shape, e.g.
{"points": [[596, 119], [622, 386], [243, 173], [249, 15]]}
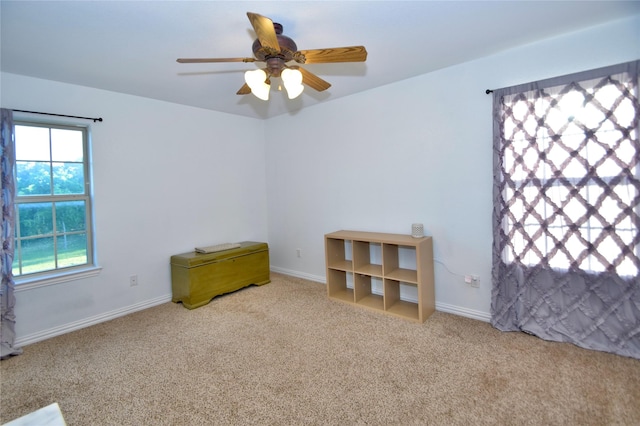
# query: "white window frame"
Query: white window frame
{"points": [[65, 273]]}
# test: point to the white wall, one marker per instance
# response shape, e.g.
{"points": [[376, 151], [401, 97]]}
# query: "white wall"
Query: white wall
{"points": [[166, 178], [416, 151]]}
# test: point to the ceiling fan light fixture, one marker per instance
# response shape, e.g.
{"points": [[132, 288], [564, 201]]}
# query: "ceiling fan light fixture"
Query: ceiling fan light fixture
{"points": [[256, 80], [292, 80]]}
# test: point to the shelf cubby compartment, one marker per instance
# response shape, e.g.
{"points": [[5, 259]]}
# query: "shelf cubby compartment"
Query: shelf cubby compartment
{"points": [[393, 268], [337, 255], [364, 295], [337, 285], [393, 303], [366, 258]]}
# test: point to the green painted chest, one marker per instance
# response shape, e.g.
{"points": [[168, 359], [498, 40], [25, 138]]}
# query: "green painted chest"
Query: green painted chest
{"points": [[197, 278]]}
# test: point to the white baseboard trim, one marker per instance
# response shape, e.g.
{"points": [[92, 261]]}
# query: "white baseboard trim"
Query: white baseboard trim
{"points": [[298, 274], [77, 325], [442, 307], [463, 312]]}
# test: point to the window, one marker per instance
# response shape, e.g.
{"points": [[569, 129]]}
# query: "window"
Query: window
{"points": [[53, 200], [566, 216], [570, 169]]}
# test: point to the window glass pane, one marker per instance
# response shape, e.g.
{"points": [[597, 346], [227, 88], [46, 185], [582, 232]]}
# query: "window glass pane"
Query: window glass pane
{"points": [[593, 264], [609, 134], [555, 120], [72, 250], [557, 194], [575, 168], [627, 267], [38, 255], [559, 261], [32, 143], [16, 258], [530, 159], [607, 95], [35, 219], [593, 116], [68, 178], [570, 170], [66, 145], [558, 153], [626, 193], [593, 150], [530, 126], [33, 178], [626, 150], [70, 216], [611, 209], [609, 167], [575, 245], [520, 109], [625, 113], [51, 165]]}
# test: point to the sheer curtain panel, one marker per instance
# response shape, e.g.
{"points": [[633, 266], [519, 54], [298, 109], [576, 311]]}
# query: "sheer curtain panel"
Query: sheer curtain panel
{"points": [[7, 324], [566, 216]]}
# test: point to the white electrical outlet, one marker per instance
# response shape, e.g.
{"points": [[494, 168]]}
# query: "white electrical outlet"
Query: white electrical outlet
{"points": [[133, 280], [472, 280], [475, 281], [299, 252]]}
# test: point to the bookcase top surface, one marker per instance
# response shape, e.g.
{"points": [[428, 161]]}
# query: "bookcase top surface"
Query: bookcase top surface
{"points": [[377, 237]]}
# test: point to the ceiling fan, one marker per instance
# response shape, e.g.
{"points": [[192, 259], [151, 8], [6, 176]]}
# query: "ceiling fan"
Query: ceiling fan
{"points": [[276, 49]]}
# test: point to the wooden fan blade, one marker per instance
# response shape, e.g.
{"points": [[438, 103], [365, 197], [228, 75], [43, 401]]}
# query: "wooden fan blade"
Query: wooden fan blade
{"points": [[202, 60], [244, 90], [312, 80], [265, 31], [337, 54]]}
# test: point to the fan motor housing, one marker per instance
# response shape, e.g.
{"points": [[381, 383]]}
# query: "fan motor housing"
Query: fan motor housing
{"points": [[287, 47]]}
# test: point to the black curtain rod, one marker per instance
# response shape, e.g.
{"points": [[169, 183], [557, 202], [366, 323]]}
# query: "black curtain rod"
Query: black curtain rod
{"points": [[59, 115], [488, 91]]}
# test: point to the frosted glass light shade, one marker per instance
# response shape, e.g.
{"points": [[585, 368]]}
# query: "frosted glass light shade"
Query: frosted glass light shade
{"points": [[292, 80], [256, 81]]}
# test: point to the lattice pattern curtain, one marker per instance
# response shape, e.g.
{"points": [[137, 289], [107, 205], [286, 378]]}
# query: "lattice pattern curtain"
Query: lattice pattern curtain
{"points": [[566, 220], [7, 302]]}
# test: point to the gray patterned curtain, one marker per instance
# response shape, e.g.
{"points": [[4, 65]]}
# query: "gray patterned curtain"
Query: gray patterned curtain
{"points": [[7, 302], [566, 219]]}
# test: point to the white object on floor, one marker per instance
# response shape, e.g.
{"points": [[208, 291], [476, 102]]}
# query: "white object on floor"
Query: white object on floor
{"points": [[46, 416]]}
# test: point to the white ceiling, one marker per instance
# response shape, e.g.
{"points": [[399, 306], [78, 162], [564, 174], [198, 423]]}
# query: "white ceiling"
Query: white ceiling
{"points": [[132, 46]]}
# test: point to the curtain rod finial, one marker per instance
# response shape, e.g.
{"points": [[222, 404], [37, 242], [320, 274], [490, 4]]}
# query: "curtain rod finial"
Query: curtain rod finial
{"points": [[488, 91]]}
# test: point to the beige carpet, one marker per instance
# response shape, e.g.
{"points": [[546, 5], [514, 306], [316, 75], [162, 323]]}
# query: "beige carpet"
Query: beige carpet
{"points": [[283, 354]]}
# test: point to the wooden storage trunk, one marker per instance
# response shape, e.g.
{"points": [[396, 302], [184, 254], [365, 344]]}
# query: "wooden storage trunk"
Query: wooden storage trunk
{"points": [[197, 278]]}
